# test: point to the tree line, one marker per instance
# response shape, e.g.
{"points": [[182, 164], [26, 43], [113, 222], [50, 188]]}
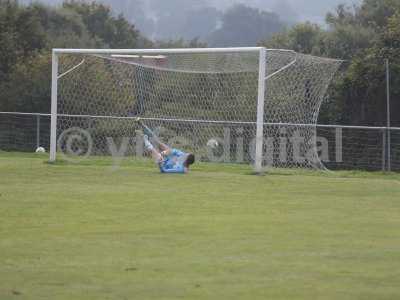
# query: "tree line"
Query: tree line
{"points": [[203, 19], [364, 36], [28, 33]]}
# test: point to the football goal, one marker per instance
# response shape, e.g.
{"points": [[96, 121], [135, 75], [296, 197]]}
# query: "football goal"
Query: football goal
{"points": [[260, 105]]}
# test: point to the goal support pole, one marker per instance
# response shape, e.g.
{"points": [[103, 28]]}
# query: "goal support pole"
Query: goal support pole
{"points": [[260, 112], [53, 124], [388, 123]]}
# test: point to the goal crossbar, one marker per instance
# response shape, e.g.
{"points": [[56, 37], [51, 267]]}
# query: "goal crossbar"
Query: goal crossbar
{"points": [[158, 51]]}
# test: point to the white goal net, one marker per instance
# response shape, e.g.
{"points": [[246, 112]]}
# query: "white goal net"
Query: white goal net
{"points": [[189, 97]]}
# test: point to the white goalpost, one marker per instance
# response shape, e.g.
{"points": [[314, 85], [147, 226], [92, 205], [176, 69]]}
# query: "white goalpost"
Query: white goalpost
{"points": [[255, 101]]}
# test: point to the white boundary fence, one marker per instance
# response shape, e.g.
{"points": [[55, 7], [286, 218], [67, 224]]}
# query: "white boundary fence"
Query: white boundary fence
{"points": [[346, 147]]}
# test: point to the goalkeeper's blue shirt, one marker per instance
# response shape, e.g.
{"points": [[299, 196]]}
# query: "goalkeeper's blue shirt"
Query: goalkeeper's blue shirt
{"points": [[174, 163]]}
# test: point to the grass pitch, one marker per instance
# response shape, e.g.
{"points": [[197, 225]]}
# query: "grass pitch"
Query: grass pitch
{"points": [[89, 231]]}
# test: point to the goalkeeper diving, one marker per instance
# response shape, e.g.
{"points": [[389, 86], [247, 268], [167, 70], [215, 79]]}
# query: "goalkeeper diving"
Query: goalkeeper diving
{"points": [[169, 160]]}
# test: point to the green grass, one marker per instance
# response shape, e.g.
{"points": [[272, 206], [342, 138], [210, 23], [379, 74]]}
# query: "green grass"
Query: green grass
{"points": [[90, 231]]}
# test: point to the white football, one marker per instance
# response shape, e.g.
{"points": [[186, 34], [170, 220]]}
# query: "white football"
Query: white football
{"points": [[40, 150], [213, 143]]}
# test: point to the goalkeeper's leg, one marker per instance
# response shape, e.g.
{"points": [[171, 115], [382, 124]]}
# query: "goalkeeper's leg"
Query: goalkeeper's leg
{"points": [[154, 152], [146, 130], [149, 133]]}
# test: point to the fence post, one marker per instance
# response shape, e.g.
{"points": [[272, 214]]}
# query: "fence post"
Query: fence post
{"points": [[339, 145], [89, 123], [384, 133], [37, 131]]}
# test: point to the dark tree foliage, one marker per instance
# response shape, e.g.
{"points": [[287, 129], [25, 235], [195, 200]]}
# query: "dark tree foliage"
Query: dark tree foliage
{"points": [[107, 30], [28, 33], [364, 36]]}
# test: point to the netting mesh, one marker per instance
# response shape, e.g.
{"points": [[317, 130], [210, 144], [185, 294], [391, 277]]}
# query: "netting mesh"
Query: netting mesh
{"points": [[293, 99], [24, 132], [192, 98]]}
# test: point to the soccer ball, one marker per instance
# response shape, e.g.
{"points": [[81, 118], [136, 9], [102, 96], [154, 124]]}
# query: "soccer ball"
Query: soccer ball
{"points": [[213, 144], [40, 150]]}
